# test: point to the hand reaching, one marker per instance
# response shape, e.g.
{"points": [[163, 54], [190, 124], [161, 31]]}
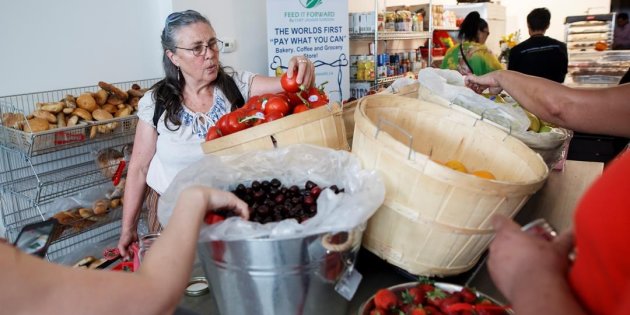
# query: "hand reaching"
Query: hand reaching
{"points": [[480, 84], [518, 259]]}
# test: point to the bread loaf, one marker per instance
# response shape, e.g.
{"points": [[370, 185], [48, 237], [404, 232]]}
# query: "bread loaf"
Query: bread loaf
{"points": [[100, 206]]}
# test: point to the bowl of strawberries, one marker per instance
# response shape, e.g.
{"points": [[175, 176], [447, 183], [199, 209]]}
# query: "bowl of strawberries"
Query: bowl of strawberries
{"points": [[427, 297]]}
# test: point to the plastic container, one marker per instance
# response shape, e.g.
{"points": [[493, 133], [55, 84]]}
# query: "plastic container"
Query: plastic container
{"points": [[445, 212]]}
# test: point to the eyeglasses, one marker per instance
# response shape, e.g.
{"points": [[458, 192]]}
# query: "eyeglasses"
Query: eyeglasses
{"points": [[200, 50]]}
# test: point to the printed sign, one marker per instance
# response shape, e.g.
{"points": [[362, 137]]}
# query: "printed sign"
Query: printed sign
{"points": [[317, 29]]}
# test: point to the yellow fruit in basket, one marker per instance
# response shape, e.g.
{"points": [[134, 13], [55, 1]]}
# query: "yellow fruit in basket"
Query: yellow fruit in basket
{"points": [[484, 174], [534, 122], [545, 128], [456, 165]]}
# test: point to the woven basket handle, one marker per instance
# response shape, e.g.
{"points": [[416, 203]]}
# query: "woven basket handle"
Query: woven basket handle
{"points": [[405, 132], [327, 242]]}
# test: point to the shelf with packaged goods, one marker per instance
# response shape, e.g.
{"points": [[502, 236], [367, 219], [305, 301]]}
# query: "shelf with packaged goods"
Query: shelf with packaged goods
{"points": [[445, 28], [38, 168], [381, 35]]}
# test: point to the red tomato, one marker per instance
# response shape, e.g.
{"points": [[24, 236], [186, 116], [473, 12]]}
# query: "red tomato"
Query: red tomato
{"points": [[236, 122], [212, 218], [254, 117], [252, 102], [316, 97], [222, 124], [290, 85], [294, 99], [300, 108], [213, 133], [276, 104], [271, 116]]}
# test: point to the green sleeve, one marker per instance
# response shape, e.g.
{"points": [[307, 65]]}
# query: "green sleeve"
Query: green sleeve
{"points": [[484, 62]]}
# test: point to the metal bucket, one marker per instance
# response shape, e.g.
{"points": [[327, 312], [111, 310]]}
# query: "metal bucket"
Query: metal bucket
{"points": [[280, 277]]}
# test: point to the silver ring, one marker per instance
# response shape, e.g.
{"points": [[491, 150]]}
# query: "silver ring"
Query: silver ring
{"points": [[302, 60]]}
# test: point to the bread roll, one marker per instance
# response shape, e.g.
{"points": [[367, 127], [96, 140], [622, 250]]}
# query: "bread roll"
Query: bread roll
{"points": [[87, 102], [50, 117], [123, 112], [70, 102], [84, 262], [86, 212], [100, 206], [114, 203], [100, 97], [82, 113], [54, 107], [113, 90], [36, 125], [63, 218], [13, 120], [72, 121], [93, 131], [61, 120], [101, 114], [110, 108], [115, 99]]}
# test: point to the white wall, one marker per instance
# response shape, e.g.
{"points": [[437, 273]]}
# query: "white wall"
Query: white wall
{"points": [[244, 21], [516, 11], [50, 45]]}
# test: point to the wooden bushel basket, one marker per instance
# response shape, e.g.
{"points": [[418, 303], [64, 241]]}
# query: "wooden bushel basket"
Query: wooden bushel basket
{"points": [[435, 220], [322, 126]]}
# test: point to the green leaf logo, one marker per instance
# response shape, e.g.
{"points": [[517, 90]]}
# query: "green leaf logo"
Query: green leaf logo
{"points": [[309, 4]]}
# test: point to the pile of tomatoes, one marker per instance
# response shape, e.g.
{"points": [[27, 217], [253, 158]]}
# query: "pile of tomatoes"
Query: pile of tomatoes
{"points": [[269, 107]]}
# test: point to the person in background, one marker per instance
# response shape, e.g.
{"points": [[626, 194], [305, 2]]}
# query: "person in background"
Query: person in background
{"points": [[537, 276], [176, 113], [32, 286], [471, 56], [621, 38], [540, 55]]}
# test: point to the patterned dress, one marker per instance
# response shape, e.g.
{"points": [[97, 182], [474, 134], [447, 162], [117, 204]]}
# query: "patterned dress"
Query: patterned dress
{"points": [[479, 57]]}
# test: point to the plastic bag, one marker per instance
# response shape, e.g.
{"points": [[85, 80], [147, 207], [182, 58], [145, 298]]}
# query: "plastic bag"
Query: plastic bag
{"points": [[84, 199], [449, 85], [364, 190]]}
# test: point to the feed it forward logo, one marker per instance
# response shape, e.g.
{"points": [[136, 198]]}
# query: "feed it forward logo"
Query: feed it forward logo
{"points": [[309, 4]]}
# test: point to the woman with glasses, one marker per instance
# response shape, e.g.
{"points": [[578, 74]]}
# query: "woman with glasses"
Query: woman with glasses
{"points": [[471, 56], [176, 113]]}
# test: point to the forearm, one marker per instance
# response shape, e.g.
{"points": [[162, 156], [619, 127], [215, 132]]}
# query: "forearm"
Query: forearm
{"points": [[176, 246], [134, 196], [599, 111], [543, 98], [262, 85]]}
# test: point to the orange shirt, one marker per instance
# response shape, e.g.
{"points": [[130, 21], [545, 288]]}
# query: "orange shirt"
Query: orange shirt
{"points": [[600, 275]]}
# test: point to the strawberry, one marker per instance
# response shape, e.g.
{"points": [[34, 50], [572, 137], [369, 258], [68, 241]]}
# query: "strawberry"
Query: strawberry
{"points": [[468, 295], [413, 296], [436, 297], [431, 310], [426, 285], [449, 300], [378, 311], [417, 311], [385, 299]]}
